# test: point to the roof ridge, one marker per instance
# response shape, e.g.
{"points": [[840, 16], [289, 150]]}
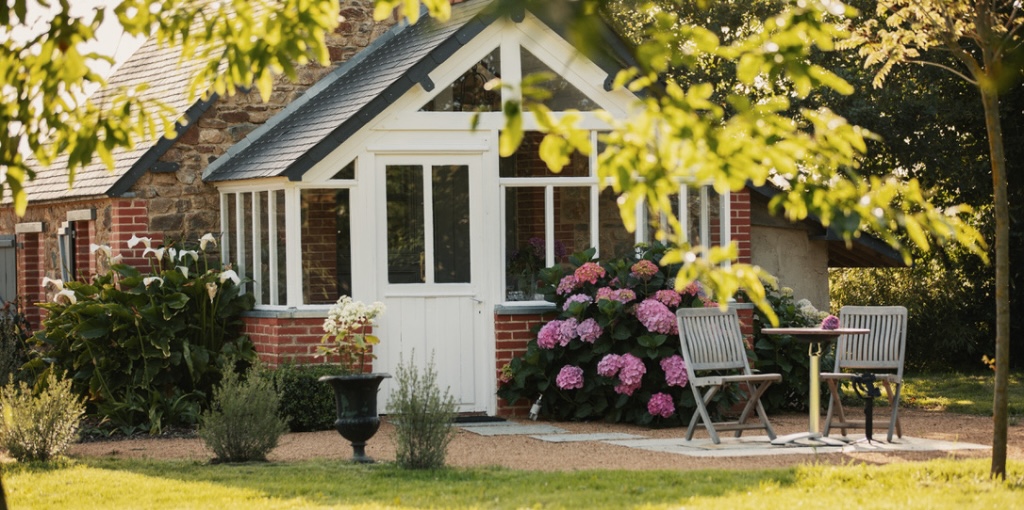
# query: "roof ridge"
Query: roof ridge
{"points": [[310, 93]]}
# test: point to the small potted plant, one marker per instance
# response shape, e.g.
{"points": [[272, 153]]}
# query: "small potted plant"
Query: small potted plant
{"points": [[347, 341]]}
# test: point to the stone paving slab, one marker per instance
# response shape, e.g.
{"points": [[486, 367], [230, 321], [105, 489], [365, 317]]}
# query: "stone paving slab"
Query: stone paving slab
{"points": [[510, 429], [573, 438], [761, 445]]}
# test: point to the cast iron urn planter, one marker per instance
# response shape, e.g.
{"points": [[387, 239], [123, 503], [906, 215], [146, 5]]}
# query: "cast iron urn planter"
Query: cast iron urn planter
{"points": [[355, 396]]}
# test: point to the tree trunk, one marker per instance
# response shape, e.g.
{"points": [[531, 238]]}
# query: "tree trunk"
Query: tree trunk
{"points": [[990, 99]]}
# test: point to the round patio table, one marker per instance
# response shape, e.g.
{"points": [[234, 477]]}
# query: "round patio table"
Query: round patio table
{"points": [[816, 339]]}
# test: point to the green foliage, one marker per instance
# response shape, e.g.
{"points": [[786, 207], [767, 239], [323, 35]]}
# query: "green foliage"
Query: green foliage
{"points": [[13, 333], [305, 403], [946, 310], [235, 44], [749, 133], [146, 350], [781, 354], [535, 374], [423, 416], [39, 425], [242, 423]]}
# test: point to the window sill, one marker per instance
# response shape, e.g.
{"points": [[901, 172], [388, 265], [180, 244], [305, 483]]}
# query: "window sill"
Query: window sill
{"points": [[524, 308]]}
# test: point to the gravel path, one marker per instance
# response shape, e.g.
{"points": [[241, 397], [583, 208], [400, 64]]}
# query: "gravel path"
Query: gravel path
{"points": [[524, 452]]}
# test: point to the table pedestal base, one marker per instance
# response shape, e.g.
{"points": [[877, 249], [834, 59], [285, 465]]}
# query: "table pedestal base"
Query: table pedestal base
{"points": [[804, 438]]}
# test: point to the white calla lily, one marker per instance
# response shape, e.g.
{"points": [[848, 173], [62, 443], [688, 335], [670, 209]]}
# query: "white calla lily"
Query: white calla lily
{"points": [[102, 248], [172, 253], [183, 269], [56, 283], [211, 290], [116, 259], [230, 274], [188, 253], [67, 294], [157, 252], [135, 240], [150, 279], [206, 239]]}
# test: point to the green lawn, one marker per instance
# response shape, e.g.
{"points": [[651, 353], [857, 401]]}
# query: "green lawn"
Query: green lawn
{"points": [[103, 484], [960, 393]]}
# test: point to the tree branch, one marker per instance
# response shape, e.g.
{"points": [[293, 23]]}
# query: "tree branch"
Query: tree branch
{"points": [[966, 78]]}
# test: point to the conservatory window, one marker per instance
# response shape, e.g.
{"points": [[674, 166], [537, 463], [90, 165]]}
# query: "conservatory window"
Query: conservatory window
{"points": [[326, 245], [548, 216], [467, 92], [253, 242]]}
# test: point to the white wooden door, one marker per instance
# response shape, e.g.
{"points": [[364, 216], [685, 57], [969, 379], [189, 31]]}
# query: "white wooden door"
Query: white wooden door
{"points": [[429, 221]]}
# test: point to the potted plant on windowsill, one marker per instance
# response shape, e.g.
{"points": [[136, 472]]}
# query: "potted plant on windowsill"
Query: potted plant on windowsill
{"points": [[355, 390]]}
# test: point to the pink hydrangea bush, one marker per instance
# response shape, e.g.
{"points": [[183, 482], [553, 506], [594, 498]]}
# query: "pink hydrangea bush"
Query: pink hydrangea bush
{"points": [[616, 329]]}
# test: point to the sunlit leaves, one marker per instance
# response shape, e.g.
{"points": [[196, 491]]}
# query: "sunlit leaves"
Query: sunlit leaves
{"points": [[45, 80], [410, 9], [683, 134]]}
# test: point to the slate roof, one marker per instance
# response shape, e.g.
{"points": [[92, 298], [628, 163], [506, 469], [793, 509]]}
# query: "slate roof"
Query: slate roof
{"points": [[168, 81], [345, 100]]}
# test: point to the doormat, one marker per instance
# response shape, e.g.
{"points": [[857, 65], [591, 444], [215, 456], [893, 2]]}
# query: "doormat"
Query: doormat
{"points": [[479, 419]]}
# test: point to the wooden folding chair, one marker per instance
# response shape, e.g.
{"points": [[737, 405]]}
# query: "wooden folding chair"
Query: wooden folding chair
{"points": [[880, 353], [716, 356]]}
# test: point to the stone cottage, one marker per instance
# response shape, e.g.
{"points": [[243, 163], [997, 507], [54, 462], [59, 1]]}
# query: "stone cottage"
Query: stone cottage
{"points": [[367, 179]]}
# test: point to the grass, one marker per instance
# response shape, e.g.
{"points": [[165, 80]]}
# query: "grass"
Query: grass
{"points": [[951, 392], [149, 484], [961, 393], [95, 484]]}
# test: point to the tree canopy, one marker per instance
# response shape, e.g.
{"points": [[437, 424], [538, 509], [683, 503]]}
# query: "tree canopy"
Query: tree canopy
{"points": [[46, 78]]}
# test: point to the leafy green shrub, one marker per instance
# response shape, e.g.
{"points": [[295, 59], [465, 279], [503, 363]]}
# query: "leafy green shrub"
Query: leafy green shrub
{"points": [[243, 422], [949, 313], [146, 350], [423, 417], [13, 333], [39, 427], [613, 351], [781, 354], [307, 403]]}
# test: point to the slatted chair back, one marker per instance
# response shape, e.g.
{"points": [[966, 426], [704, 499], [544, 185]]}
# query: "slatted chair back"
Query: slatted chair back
{"points": [[882, 349], [711, 340]]}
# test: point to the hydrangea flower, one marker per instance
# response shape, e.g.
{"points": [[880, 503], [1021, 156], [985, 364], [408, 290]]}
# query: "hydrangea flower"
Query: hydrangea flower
{"points": [[567, 331], [693, 289], [668, 297], [609, 365], [661, 404], [589, 330], [621, 295], [589, 272], [576, 298], [570, 377], [830, 322], [630, 375], [675, 370], [547, 337], [656, 317], [643, 270], [568, 284]]}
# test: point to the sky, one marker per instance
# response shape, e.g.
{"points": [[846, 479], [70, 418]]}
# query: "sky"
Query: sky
{"points": [[111, 40]]}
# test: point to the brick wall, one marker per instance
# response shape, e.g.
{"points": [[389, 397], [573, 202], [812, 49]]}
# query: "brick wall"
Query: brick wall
{"points": [[739, 221], [279, 340], [512, 333], [30, 276]]}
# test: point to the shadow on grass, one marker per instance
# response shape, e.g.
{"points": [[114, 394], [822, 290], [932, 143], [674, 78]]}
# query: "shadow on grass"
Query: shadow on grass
{"points": [[336, 482]]}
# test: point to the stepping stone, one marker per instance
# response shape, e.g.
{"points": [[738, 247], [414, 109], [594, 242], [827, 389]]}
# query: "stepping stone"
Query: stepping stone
{"points": [[572, 438], [511, 429]]}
